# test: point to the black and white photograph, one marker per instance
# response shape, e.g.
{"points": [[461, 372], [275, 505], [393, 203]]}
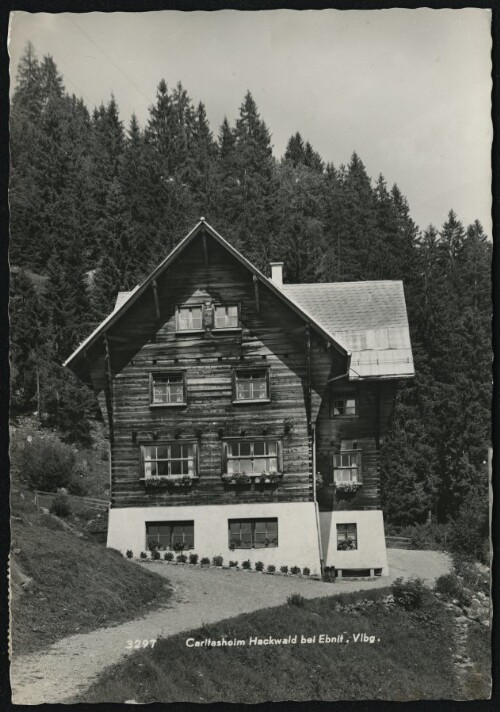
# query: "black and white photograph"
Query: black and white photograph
{"points": [[250, 356]]}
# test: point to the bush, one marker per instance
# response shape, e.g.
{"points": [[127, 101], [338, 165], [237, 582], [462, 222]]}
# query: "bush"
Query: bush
{"points": [[452, 587], [205, 561], [259, 566], [168, 556], [296, 600], [247, 564], [271, 568], [295, 570], [284, 569], [431, 535], [60, 506], [471, 575], [217, 560], [143, 555], [77, 482], [46, 464], [410, 594], [306, 571], [233, 564], [181, 558], [193, 558], [130, 554], [153, 544], [155, 555], [469, 533]]}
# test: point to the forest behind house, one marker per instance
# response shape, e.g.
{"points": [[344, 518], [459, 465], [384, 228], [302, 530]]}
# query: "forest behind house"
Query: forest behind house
{"points": [[95, 205]]}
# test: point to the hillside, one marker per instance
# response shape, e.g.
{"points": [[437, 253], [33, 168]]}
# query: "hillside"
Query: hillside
{"points": [[76, 586]]}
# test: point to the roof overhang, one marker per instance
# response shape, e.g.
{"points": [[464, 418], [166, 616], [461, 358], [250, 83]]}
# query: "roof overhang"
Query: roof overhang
{"points": [[136, 294]]}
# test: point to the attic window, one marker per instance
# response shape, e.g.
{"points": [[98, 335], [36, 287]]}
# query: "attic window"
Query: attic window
{"points": [[226, 316], [190, 318]]}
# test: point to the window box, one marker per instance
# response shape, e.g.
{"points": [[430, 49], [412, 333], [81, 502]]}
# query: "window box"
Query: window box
{"points": [[253, 533], [251, 385], [167, 390], [169, 481]]}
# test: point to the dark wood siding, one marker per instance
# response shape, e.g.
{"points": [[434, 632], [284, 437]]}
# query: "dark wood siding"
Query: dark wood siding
{"points": [[375, 403], [271, 336]]}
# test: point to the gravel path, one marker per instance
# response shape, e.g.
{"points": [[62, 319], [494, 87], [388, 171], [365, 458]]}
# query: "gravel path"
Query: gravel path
{"points": [[200, 596]]}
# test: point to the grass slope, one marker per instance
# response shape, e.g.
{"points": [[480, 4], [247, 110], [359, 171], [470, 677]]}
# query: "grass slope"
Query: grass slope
{"points": [[412, 660], [78, 585]]}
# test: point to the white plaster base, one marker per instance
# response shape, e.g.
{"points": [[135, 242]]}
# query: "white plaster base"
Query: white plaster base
{"points": [[371, 552], [297, 531]]}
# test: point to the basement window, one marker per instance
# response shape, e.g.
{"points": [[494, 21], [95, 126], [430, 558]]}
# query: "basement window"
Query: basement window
{"points": [[347, 537], [170, 535], [253, 533], [168, 388]]}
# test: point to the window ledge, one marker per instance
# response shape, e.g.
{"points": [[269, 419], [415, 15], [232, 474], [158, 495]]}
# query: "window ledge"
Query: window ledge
{"points": [[168, 405], [251, 401], [169, 480], [227, 328], [232, 479], [189, 331]]}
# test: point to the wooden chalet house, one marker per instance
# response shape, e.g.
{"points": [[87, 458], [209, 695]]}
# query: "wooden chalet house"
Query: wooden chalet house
{"points": [[246, 415]]}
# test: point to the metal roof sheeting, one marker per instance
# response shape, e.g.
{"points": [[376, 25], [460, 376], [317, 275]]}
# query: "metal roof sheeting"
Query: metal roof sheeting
{"points": [[368, 318]]}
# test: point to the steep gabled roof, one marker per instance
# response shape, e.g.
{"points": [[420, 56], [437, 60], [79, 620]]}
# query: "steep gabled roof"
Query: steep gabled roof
{"points": [[125, 301], [368, 318]]}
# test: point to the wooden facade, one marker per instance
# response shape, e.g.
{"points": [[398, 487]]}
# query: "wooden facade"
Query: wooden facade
{"points": [[303, 368]]}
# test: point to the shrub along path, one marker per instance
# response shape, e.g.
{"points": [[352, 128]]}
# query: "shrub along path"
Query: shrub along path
{"points": [[200, 596]]}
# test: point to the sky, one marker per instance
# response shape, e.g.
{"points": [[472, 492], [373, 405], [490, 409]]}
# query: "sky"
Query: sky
{"points": [[408, 90]]}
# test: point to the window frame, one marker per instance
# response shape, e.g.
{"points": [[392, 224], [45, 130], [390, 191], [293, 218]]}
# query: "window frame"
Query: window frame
{"points": [[170, 372], [171, 524], [347, 388], [251, 439], [201, 306], [226, 305], [346, 537], [359, 468], [253, 521], [248, 369], [178, 308], [168, 443]]}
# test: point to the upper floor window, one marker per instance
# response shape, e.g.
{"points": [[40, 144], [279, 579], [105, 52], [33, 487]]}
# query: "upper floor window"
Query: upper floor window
{"points": [[347, 466], [207, 316], [226, 316], [168, 388], [252, 457], [347, 537], [190, 318], [251, 385], [343, 402], [168, 459]]}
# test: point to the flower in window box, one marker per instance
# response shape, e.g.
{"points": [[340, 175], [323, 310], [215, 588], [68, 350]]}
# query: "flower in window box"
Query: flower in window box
{"points": [[319, 481], [156, 482], [346, 489], [241, 478], [346, 545], [184, 481]]}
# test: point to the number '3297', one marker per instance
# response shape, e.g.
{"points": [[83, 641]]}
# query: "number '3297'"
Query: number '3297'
{"points": [[139, 644]]}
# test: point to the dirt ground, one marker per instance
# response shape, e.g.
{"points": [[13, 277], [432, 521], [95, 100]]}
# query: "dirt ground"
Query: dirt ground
{"points": [[200, 596]]}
